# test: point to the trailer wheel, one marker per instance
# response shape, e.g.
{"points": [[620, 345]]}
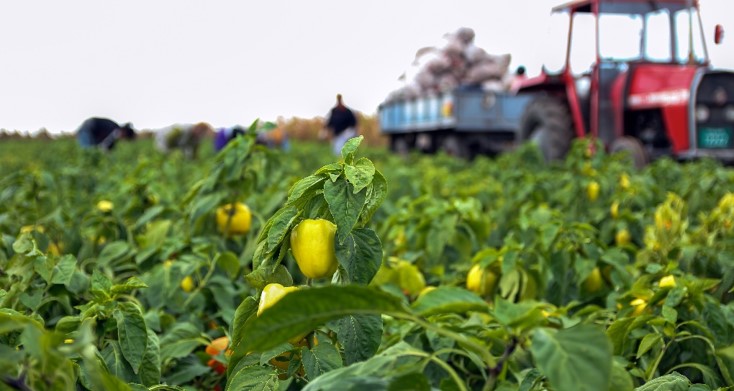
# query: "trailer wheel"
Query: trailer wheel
{"points": [[546, 121], [400, 144], [633, 147], [455, 146]]}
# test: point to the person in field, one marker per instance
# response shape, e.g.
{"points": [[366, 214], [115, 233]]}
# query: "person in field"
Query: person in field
{"points": [[103, 133], [185, 138], [341, 125], [274, 138]]}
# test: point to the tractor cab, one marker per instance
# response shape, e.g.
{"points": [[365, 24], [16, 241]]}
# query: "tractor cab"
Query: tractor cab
{"points": [[635, 74]]}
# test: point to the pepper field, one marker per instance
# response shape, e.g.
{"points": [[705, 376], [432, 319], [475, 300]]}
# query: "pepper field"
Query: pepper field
{"points": [[496, 274]]}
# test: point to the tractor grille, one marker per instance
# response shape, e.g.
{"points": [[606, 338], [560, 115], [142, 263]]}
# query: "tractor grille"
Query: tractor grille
{"points": [[714, 111]]}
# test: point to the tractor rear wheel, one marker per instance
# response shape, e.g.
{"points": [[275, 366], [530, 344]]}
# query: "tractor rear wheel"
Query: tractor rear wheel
{"points": [[634, 149], [547, 122]]}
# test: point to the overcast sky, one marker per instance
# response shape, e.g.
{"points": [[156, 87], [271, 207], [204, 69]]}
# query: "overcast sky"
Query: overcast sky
{"points": [[159, 62]]}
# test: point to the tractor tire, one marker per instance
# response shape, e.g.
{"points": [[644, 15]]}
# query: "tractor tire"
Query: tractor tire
{"points": [[547, 122], [633, 147]]}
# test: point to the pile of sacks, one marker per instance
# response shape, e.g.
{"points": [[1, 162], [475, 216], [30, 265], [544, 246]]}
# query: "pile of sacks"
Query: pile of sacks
{"points": [[458, 62]]}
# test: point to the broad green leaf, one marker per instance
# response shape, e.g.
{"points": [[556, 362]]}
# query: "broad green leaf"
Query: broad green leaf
{"points": [[281, 225], [181, 340], [64, 270], [350, 147], [360, 174], [360, 336], [448, 299], [578, 358], [130, 285], [725, 361], [320, 359], [131, 333], [374, 374], [204, 205], [647, 343], [150, 368], [101, 283], [410, 381], [360, 255], [253, 378], [265, 274], [521, 315], [670, 382], [303, 310], [186, 370], [344, 205], [156, 233], [113, 251], [620, 379], [375, 198], [304, 187], [229, 263], [116, 362]]}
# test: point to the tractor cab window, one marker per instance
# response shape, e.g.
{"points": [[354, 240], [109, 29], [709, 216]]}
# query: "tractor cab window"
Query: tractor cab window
{"points": [[620, 37], [582, 53], [689, 37], [554, 44], [658, 44]]}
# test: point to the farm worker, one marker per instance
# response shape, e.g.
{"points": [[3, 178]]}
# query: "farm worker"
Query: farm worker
{"points": [[342, 124], [103, 133], [274, 138], [225, 135], [184, 137], [517, 79]]}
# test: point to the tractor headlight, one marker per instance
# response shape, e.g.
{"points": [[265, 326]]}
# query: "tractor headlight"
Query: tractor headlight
{"points": [[702, 113], [729, 113]]}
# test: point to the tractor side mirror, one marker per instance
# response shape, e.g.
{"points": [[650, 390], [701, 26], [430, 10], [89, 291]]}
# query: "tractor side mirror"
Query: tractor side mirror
{"points": [[718, 34]]}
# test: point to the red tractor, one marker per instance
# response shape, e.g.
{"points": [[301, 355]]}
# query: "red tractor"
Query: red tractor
{"points": [[636, 75]]}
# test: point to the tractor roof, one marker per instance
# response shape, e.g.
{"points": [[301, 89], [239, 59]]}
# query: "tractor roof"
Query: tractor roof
{"points": [[586, 5]]}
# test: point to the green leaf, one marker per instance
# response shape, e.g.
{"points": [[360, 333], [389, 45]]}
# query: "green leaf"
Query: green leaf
{"points": [[350, 147], [282, 222], [374, 374], [647, 343], [360, 174], [156, 233], [130, 285], [725, 361], [304, 188], [113, 251], [620, 379], [578, 358], [265, 274], [150, 368], [344, 205], [180, 341], [229, 263], [670, 382], [448, 300], [131, 333], [253, 378], [303, 310], [410, 381], [204, 205], [64, 270], [320, 359], [360, 255], [376, 195], [521, 315], [116, 362], [360, 336], [101, 283]]}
